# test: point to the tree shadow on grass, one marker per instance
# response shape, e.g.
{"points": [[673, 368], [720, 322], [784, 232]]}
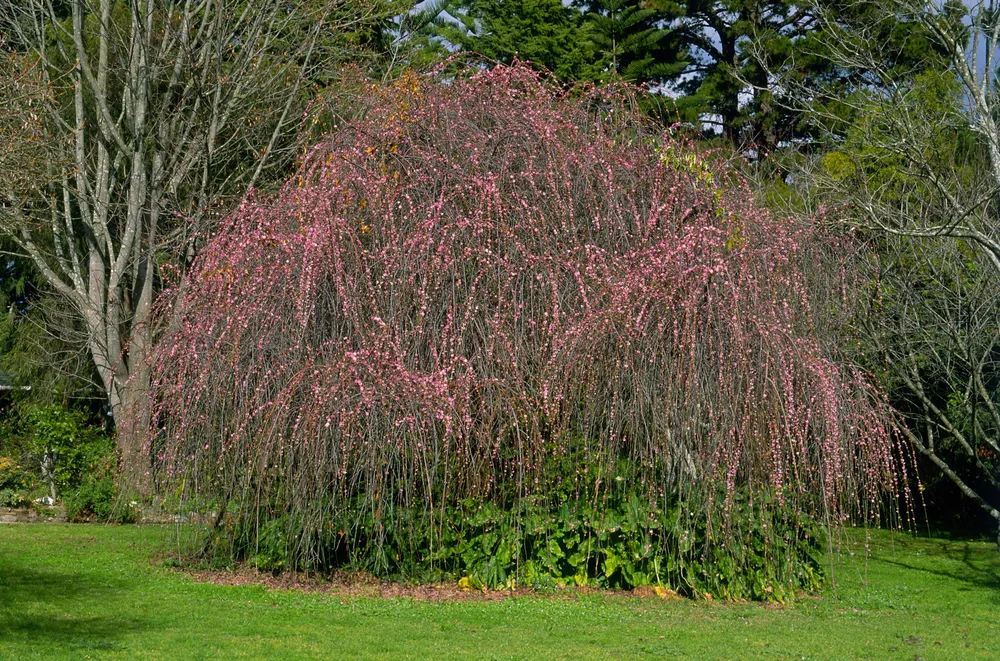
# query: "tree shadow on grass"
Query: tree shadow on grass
{"points": [[974, 565], [55, 609]]}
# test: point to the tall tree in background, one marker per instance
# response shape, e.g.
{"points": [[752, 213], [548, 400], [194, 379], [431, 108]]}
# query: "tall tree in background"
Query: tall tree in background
{"points": [[544, 33], [726, 83], [600, 40], [726, 62], [133, 125], [794, 57], [42, 342], [743, 55], [696, 50], [633, 40]]}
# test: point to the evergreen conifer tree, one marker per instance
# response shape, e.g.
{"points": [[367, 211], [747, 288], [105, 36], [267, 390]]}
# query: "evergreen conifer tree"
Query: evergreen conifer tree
{"points": [[632, 39], [545, 33]]}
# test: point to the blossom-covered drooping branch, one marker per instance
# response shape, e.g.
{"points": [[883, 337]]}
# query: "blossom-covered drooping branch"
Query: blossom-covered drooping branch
{"points": [[483, 274]]}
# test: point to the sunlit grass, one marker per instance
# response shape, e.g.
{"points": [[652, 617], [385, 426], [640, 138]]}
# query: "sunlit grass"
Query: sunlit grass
{"points": [[79, 592]]}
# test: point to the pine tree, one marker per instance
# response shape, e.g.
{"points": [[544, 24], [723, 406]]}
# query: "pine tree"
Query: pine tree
{"points": [[713, 87], [545, 33], [632, 39], [599, 40], [738, 48]]}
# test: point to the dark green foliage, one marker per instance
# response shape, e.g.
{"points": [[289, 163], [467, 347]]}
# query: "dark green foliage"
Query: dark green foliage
{"points": [[544, 33], [602, 40], [78, 448], [628, 543], [67, 440], [84, 459], [722, 56], [98, 499], [13, 476], [633, 41], [761, 549], [590, 528], [11, 498], [732, 46]]}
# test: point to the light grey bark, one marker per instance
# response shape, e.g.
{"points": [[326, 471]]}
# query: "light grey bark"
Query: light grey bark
{"points": [[157, 115], [933, 213]]}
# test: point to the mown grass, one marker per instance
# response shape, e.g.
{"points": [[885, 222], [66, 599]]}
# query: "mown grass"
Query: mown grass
{"points": [[94, 592]]}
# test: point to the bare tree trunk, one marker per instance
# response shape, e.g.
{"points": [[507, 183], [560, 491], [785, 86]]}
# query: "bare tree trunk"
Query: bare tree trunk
{"points": [[154, 117]]}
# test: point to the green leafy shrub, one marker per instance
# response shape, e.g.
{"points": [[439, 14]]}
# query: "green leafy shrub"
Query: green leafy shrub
{"points": [[36, 438], [81, 457], [78, 448], [589, 529], [99, 499], [11, 498], [15, 483], [765, 550]]}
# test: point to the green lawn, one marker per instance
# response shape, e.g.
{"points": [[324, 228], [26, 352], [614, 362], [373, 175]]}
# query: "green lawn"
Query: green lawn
{"points": [[93, 592]]}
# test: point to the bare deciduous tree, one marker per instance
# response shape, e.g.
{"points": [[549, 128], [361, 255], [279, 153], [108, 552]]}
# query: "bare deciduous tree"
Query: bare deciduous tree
{"points": [[916, 167], [132, 124]]}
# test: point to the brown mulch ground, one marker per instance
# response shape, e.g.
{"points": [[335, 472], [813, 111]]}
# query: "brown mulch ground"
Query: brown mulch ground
{"points": [[348, 585]]}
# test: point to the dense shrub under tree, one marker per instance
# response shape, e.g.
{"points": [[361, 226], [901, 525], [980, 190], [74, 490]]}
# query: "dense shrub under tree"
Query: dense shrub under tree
{"points": [[50, 450], [502, 330]]}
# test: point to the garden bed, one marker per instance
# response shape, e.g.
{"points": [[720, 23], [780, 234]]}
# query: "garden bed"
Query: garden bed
{"points": [[31, 515]]}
